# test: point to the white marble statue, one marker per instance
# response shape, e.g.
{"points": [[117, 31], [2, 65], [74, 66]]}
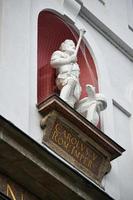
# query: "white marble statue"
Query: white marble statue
{"points": [[64, 61], [91, 106], [67, 69]]}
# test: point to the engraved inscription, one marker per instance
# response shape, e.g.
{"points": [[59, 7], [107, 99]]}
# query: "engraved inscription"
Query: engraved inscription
{"points": [[10, 193], [81, 151], [13, 190]]}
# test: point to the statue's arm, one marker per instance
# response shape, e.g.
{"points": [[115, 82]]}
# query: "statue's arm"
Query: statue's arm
{"points": [[57, 59]]}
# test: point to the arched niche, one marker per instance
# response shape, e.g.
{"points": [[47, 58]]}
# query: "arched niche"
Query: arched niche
{"points": [[52, 31]]}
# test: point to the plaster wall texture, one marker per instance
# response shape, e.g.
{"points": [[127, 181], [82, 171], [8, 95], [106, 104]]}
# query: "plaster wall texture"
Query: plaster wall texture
{"points": [[125, 162], [0, 24], [115, 15], [18, 75], [14, 70], [18, 53]]}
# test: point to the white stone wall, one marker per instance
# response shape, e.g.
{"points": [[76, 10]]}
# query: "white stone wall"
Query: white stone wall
{"points": [[14, 63], [115, 15], [18, 74]]}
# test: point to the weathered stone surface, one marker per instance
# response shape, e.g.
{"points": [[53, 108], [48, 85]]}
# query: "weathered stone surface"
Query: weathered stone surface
{"points": [[74, 146], [76, 140], [13, 190]]}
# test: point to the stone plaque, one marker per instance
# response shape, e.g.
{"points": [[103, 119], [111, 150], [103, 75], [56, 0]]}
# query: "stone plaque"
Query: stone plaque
{"points": [[74, 146]]}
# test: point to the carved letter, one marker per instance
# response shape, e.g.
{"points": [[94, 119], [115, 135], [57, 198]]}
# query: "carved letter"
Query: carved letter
{"points": [[9, 191]]}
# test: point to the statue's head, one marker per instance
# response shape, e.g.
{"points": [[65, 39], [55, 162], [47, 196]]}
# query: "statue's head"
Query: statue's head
{"points": [[68, 45], [101, 101]]}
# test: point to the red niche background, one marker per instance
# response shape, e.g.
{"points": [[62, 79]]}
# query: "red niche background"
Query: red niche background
{"points": [[52, 31]]}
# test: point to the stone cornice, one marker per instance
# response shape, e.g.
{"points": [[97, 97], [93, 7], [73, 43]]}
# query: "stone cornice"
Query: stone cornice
{"points": [[40, 171], [3, 197]]}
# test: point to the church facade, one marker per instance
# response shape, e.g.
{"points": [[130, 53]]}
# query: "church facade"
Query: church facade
{"points": [[79, 146]]}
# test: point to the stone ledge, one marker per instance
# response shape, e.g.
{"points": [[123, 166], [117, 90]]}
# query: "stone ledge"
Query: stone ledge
{"points": [[76, 140], [56, 103], [39, 171]]}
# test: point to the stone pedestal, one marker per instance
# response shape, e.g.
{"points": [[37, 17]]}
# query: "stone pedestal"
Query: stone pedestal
{"points": [[76, 140]]}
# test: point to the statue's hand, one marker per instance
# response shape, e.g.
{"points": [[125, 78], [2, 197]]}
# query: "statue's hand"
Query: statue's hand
{"points": [[73, 58]]}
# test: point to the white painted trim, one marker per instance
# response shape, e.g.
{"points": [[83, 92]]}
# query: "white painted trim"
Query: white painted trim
{"points": [[71, 9], [106, 32], [121, 108]]}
